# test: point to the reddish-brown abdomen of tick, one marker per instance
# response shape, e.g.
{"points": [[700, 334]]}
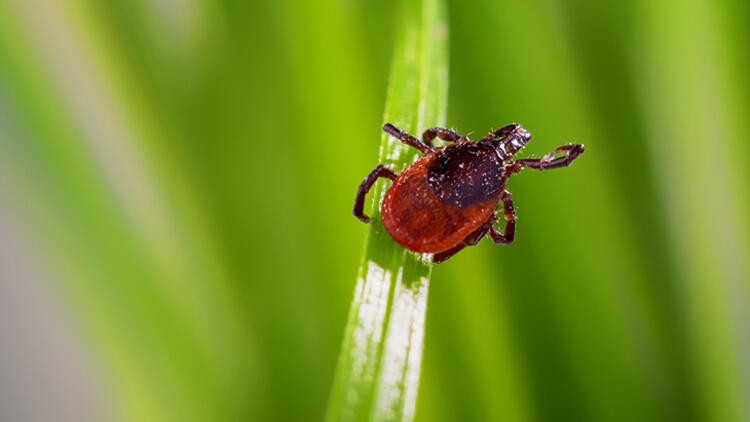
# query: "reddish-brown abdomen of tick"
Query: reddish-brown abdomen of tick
{"points": [[420, 220]]}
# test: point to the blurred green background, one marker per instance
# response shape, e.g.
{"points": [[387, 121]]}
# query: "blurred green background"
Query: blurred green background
{"points": [[176, 183]]}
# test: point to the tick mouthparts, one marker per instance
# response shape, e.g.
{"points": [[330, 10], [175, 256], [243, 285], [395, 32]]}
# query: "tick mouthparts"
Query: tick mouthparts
{"points": [[513, 141]]}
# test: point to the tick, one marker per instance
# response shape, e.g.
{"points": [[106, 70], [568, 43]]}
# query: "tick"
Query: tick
{"points": [[448, 198]]}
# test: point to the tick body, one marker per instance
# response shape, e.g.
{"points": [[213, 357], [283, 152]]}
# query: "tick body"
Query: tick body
{"points": [[448, 198]]}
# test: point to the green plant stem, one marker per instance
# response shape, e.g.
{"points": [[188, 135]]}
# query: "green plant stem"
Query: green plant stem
{"points": [[379, 365]]}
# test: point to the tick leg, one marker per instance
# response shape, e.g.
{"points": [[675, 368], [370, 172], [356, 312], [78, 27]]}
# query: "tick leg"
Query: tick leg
{"points": [[443, 256], [406, 138], [359, 202], [444, 134], [502, 132], [549, 161], [470, 240], [509, 213]]}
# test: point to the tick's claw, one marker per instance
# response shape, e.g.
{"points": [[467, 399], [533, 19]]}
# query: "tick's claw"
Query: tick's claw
{"points": [[363, 218]]}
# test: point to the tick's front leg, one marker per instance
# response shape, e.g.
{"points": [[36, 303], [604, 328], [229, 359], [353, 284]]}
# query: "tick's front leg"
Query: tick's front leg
{"points": [[549, 161], [359, 202]]}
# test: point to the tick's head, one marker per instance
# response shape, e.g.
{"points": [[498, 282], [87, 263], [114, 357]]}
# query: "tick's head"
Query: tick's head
{"points": [[511, 139]]}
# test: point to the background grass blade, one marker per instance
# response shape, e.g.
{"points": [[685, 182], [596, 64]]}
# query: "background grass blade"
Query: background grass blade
{"points": [[379, 364]]}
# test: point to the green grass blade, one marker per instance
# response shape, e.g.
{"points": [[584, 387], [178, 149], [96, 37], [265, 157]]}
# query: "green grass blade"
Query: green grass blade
{"points": [[379, 365]]}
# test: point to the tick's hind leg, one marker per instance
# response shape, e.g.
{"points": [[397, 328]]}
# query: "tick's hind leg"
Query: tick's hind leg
{"points": [[359, 202], [444, 134], [406, 138], [470, 240], [509, 213], [549, 161]]}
